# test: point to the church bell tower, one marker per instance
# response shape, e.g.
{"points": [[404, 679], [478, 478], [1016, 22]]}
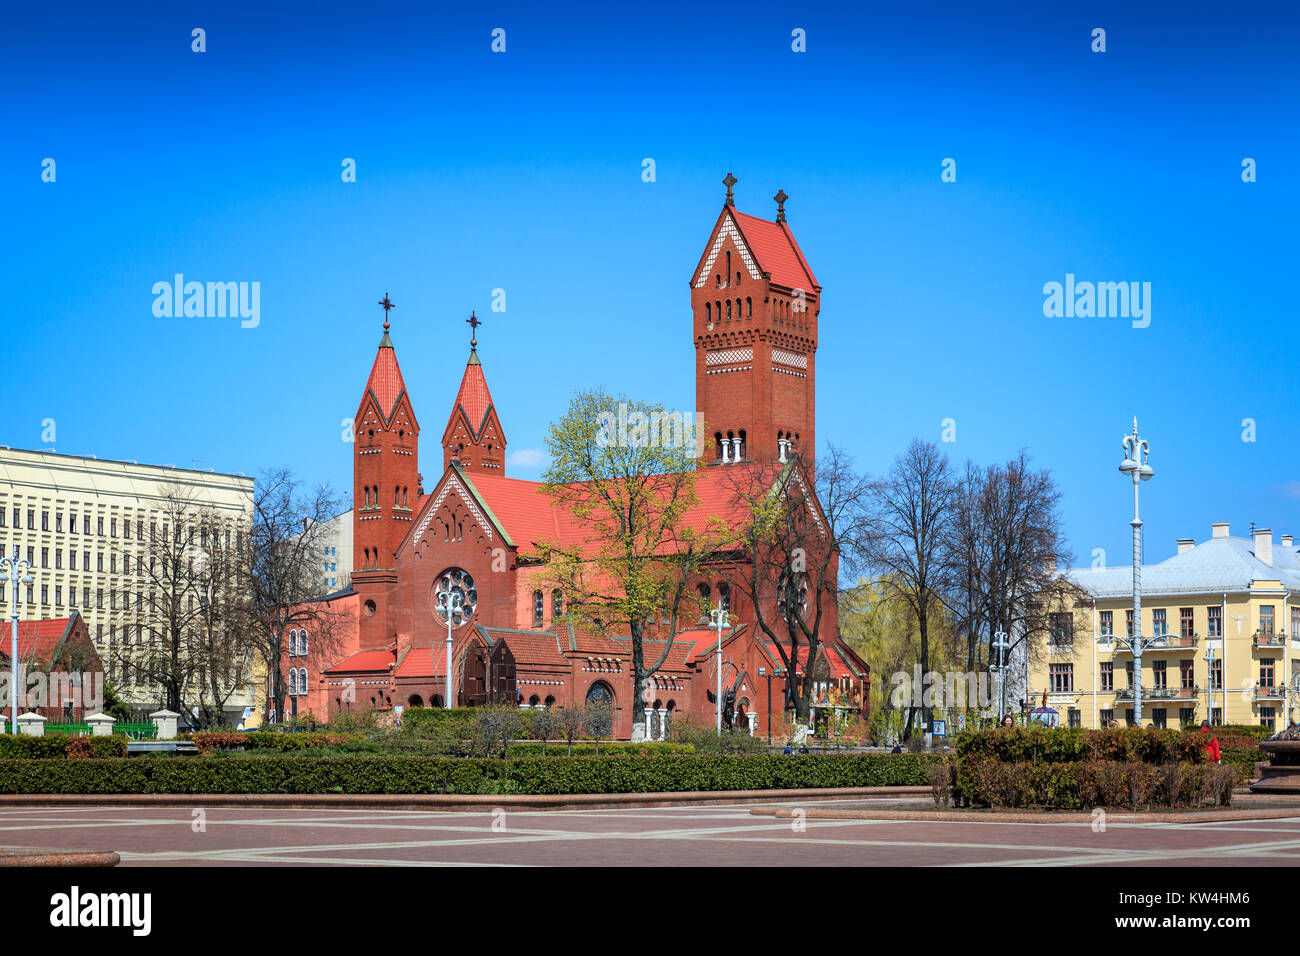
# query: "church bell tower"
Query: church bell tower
{"points": [[754, 304]]}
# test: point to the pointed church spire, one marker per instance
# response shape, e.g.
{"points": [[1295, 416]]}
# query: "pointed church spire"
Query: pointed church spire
{"points": [[473, 437], [386, 342]]}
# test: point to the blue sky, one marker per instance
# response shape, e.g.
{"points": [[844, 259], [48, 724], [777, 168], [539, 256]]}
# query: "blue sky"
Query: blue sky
{"points": [[522, 171]]}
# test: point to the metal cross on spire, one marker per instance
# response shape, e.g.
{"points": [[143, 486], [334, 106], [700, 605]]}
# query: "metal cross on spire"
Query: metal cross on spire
{"points": [[780, 198], [729, 181], [387, 305], [473, 322]]}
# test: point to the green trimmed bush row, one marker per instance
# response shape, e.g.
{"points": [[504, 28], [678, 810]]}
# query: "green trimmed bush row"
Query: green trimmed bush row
{"points": [[1082, 785], [529, 775], [1067, 745], [17, 747]]}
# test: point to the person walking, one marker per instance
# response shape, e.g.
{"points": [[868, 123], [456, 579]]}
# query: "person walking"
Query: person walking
{"points": [[1210, 743]]}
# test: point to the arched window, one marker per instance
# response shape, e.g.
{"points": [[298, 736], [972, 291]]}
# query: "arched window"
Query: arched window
{"points": [[557, 604], [728, 263], [549, 702], [397, 495], [724, 595], [534, 701], [302, 643], [600, 692], [293, 643], [708, 313], [728, 310], [367, 496], [749, 307], [539, 608], [293, 682], [302, 681]]}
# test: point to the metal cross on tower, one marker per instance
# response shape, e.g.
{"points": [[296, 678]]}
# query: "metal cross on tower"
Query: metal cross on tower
{"points": [[780, 198], [729, 181], [387, 305], [473, 322]]}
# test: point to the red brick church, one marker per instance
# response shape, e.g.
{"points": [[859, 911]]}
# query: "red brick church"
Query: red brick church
{"points": [[470, 537]]}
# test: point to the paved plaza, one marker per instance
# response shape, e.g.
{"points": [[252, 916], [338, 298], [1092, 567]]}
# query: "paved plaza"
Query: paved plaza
{"points": [[666, 836]]}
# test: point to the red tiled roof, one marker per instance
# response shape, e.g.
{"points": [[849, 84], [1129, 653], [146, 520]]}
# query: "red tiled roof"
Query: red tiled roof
{"points": [[37, 640], [364, 661], [529, 515], [473, 396], [532, 649], [386, 378], [774, 246], [423, 662]]}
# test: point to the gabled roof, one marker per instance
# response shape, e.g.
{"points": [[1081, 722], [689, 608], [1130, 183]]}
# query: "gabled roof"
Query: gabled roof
{"points": [[1225, 564], [385, 381], [774, 246], [422, 662], [473, 397], [37, 640], [530, 648]]}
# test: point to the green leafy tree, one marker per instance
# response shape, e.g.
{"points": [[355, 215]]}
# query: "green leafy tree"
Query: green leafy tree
{"points": [[628, 478]]}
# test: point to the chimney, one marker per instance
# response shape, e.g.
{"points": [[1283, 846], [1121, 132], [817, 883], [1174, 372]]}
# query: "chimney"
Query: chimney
{"points": [[1286, 541], [1186, 544], [1264, 545], [1219, 529]]}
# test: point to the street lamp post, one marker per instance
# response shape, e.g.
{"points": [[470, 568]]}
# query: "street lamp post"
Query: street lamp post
{"points": [[1001, 645], [450, 604], [719, 619], [764, 672], [1136, 453], [12, 569]]}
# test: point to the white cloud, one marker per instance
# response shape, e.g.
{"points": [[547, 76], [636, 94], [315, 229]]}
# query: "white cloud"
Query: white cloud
{"points": [[526, 458]]}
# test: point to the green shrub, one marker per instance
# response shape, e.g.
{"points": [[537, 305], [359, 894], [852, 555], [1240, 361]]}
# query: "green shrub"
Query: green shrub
{"points": [[19, 747], [1077, 785], [1243, 760], [1066, 745], [614, 773]]}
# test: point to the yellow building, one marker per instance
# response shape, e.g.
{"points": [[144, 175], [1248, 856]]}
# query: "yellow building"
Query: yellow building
{"points": [[1222, 622]]}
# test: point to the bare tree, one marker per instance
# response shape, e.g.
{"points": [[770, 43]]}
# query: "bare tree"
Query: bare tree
{"points": [[570, 724], [283, 560], [912, 520], [222, 651], [800, 531], [1006, 553]]}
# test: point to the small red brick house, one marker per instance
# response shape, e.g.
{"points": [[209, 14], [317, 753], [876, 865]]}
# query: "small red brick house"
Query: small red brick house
{"points": [[61, 676], [473, 534]]}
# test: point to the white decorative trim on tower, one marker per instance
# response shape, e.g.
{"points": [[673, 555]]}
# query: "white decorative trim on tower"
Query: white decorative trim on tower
{"points": [[437, 503], [728, 230], [729, 357]]}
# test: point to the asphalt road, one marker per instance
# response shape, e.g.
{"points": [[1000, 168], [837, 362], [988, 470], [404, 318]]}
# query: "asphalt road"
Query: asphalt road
{"points": [[670, 836]]}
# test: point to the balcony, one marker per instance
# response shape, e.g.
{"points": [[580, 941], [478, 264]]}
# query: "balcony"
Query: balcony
{"points": [[1161, 642], [1161, 693], [1269, 639], [1270, 692]]}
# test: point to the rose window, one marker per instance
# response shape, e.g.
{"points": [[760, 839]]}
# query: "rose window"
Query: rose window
{"points": [[456, 595]]}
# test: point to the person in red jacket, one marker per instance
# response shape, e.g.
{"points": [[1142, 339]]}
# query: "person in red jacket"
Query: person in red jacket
{"points": [[1211, 748]]}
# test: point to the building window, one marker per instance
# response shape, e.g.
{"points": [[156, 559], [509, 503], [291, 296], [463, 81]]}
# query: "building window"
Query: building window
{"points": [[45, 521], [600, 693], [45, 557], [1107, 676], [1268, 718], [1186, 717], [557, 605], [1159, 718], [1075, 717], [1107, 623], [99, 526], [1216, 674], [1185, 622], [1187, 674], [31, 519], [58, 522], [1061, 678], [1128, 669], [539, 608], [1106, 717], [1159, 626], [1266, 672], [1128, 716], [1266, 620], [1160, 675], [1128, 622], [45, 594], [58, 595]]}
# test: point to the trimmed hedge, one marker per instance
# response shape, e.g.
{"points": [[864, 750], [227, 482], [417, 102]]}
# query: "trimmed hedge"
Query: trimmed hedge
{"points": [[1067, 745], [529, 775], [586, 748], [1244, 759], [1081, 785], [19, 747]]}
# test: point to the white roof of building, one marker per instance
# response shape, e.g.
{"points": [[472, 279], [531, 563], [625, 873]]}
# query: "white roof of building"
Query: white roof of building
{"points": [[1224, 564]]}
